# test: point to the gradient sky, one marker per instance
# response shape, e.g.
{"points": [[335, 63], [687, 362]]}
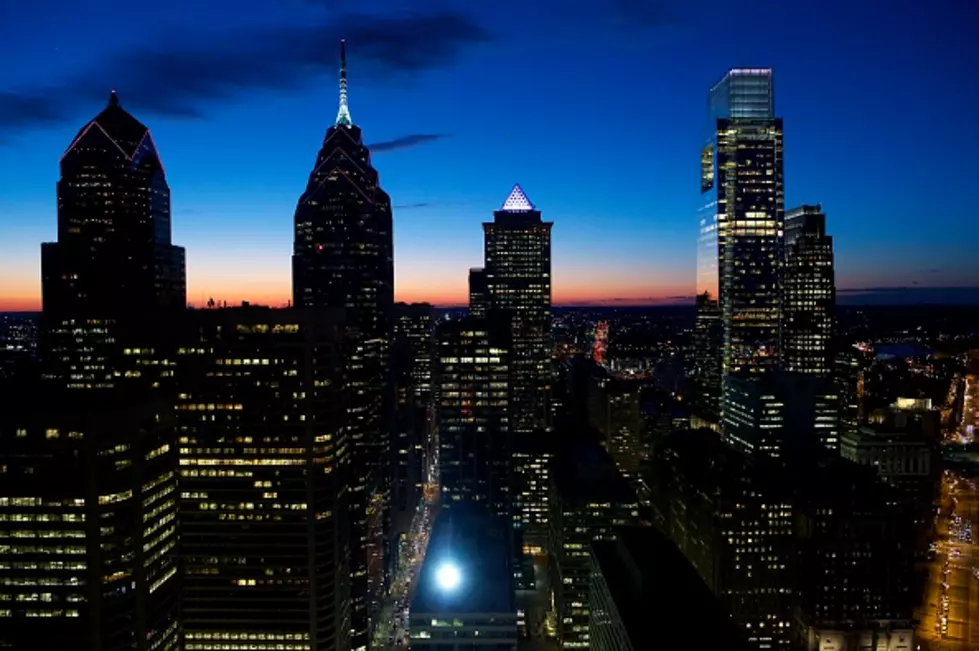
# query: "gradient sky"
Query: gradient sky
{"points": [[598, 109]]}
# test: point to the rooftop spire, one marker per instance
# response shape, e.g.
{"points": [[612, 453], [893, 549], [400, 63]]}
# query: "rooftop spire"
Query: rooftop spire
{"points": [[343, 115], [113, 98]]}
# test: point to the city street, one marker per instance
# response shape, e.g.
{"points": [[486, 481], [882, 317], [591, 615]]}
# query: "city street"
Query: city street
{"points": [[391, 631], [949, 613]]}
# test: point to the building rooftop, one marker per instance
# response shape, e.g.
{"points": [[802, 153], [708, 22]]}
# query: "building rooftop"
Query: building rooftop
{"points": [[654, 587], [478, 546], [584, 472]]}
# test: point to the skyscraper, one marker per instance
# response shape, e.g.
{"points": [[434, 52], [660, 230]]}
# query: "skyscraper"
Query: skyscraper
{"points": [[343, 257], [263, 477], [88, 475], [810, 293], [473, 371], [741, 225], [113, 273], [518, 281]]}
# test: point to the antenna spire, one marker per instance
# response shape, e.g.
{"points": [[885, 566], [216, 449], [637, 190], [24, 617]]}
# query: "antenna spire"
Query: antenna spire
{"points": [[343, 115]]}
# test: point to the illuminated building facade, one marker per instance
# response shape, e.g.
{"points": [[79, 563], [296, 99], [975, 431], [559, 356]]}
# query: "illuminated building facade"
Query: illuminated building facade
{"points": [[264, 461], [589, 500], [88, 522], [740, 253], [781, 412], [113, 278], [474, 371], [343, 257], [810, 293], [517, 251], [478, 296], [518, 281]]}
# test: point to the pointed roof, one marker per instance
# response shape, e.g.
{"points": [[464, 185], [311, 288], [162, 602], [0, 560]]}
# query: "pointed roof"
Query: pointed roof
{"points": [[517, 201], [122, 130], [343, 114]]}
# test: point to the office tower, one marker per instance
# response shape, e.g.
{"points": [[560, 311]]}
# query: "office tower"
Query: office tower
{"points": [[706, 375], [263, 480], [740, 253], [642, 587], [113, 279], [465, 594], [478, 297], [809, 293], [473, 371], [413, 360], [853, 592], [731, 514], [88, 517], [518, 281], [343, 258], [781, 413], [615, 412], [589, 499], [849, 379]]}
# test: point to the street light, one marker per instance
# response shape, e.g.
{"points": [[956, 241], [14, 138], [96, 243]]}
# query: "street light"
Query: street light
{"points": [[448, 576]]}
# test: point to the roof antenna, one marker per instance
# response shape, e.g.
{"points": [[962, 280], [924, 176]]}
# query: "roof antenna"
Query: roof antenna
{"points": [[343, 115]]}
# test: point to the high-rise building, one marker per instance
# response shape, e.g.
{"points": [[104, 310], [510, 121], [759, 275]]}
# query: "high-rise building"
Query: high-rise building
{"points": [[264, 480], [413, 361], [706, 373], [113, 278], [809, 293], [473, 372], [589, 500], [88, 518], [518, 281], [478, 297], [343, 257], [517, 270], [781, 412], [740, 254], [642, 587]]}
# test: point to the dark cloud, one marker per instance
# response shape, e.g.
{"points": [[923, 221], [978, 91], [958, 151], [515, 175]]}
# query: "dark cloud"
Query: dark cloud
{"points": [[908, 295], [411, 206], [185, 73], [404, 142]]}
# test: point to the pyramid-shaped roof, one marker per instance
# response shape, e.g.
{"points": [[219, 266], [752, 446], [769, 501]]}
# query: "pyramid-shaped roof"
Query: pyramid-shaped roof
{"points": [[517, 201], [128, 134]]}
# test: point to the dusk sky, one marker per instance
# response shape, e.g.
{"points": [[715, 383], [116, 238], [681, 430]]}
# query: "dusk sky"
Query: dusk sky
{"points": [[598, 110]]}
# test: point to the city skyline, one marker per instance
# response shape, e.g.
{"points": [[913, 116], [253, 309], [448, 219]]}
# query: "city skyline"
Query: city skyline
{"points": [[901, 224]]}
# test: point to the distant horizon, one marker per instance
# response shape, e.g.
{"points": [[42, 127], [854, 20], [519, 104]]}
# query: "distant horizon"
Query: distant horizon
{"points": [[961, 296]]}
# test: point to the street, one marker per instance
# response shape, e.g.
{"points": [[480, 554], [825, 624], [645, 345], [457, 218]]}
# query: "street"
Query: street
{"points": [[949, 615], [391, 630]]}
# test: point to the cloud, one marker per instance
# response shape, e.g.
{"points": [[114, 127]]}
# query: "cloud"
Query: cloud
{"points": [[184, 73], [411, 206], [404, 142]]}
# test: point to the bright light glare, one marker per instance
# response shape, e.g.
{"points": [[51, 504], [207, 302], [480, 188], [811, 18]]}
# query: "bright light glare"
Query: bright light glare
{"points": [[448, 576]]}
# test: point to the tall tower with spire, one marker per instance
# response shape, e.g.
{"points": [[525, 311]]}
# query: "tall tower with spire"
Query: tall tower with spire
{"points": [[343, 257]]}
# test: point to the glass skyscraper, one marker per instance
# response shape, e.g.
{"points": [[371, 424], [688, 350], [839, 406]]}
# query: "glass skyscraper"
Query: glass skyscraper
{"points": [[740, 247]]}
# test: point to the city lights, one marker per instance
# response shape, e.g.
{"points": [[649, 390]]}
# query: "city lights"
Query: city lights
{"points": [[448, 576]]}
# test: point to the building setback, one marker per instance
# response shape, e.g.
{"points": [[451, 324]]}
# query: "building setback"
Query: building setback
{"points": [[343, 257]]}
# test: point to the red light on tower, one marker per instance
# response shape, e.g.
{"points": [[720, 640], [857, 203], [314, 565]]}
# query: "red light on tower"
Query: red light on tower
{"points": [[319, 248]]}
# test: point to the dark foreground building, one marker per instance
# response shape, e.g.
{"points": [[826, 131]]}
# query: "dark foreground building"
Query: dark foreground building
{"points": [[88, 519], [643, 589], [343, 257], [465, 595], [263, 480]]}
